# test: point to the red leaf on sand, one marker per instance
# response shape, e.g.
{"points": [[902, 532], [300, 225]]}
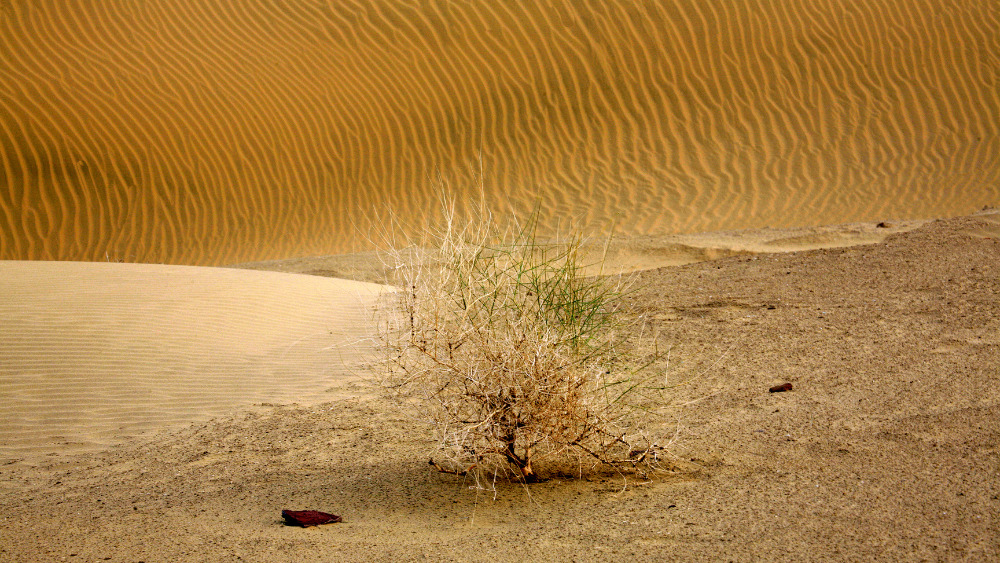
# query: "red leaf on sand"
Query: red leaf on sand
{"points": [[307, 518], [781, 388]]}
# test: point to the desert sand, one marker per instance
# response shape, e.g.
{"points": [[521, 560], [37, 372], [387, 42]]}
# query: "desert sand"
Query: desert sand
{"points": [[98, 351], [798, 187], [885, 449], [216, 132]]}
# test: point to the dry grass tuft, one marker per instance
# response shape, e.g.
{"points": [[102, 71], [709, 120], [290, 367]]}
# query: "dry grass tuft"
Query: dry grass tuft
{"points": [[515, 355]]}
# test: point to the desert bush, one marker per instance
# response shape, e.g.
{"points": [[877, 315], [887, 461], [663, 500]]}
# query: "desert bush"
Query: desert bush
{"points": [[515, 355]]}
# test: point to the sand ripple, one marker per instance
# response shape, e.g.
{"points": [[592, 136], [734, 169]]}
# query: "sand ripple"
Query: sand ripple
{"points": [[94, 353], [221, 132]]}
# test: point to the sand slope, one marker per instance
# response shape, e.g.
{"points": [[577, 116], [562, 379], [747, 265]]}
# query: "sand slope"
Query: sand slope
{"points": [[91, 353], [887, 449], [217, 132]]}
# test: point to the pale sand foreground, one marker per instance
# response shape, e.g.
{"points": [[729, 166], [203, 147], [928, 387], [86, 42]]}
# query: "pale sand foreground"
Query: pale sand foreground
{"points": [[888, 447], [93, 352]]}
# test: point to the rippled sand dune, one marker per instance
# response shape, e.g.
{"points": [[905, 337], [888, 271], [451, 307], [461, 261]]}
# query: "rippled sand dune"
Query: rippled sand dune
{"points": [[218, 132]]}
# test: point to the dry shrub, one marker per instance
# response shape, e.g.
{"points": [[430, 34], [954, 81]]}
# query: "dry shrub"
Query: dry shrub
{"points": [[515, 355]]}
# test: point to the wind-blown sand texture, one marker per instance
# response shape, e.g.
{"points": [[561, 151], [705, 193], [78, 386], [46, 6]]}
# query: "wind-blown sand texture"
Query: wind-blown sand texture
{"points": [[93, 353], [886, 449], [217, 132]]}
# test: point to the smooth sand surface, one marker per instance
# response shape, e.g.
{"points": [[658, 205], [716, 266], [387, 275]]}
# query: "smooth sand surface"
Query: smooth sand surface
{"points": [[217, 132], [886, 449], [92, 353]]}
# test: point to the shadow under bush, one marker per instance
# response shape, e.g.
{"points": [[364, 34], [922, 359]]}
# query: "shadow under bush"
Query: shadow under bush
{"points": [[516, 356]]}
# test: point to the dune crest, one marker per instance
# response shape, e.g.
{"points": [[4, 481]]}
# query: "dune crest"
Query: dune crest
{"points": [[215, 132]]}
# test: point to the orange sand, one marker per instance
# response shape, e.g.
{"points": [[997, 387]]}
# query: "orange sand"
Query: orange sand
{"points": [[216, 132]]}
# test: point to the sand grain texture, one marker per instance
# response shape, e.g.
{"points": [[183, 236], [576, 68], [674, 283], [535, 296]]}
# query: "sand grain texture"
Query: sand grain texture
{"points": [[91, 353], [887, 448], [217, 132]]}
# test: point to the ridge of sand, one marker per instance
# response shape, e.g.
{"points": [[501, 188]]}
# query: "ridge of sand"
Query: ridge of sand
{"points": [[886, 449], [216, 132], [623, 254], [93, 353]]}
